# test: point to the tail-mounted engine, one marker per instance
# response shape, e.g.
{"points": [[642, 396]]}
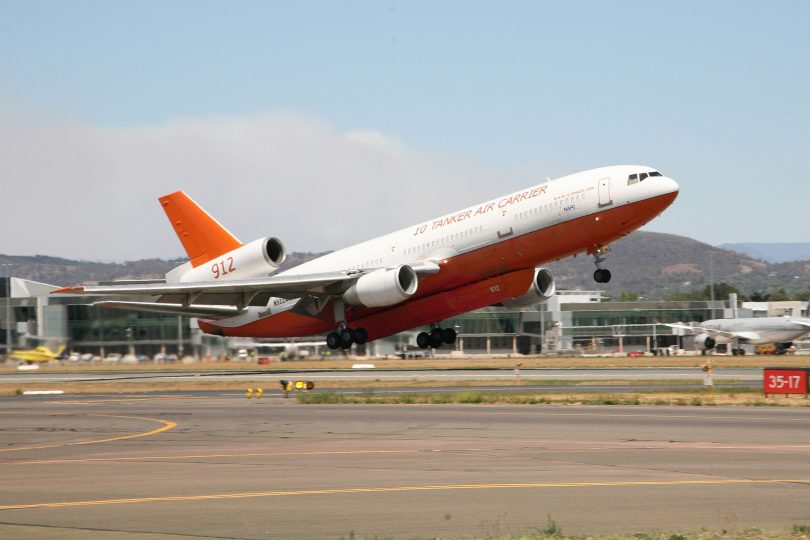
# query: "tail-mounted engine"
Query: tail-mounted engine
{"points": [[383, 287], [705, 342], [542, 289], [256, 259]]}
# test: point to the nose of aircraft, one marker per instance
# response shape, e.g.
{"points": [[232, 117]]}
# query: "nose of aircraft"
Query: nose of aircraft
{"points": [[667, 185]]}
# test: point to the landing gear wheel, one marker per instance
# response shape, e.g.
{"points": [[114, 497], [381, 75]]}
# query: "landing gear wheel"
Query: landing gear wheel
{"points": [[360, 336], [333, 340], [601, 275], [346, 338], [448, 336], [436, 338], [423, 340]]}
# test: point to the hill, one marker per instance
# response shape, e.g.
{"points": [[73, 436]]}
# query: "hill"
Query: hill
{"points": [[657, 265], [773, 252], [654, 265]]}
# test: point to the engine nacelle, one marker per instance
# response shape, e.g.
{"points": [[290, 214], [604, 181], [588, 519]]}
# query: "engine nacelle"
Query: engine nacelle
{"points": [[255, 259], [383, 287], [542, 289], [705, 342]]}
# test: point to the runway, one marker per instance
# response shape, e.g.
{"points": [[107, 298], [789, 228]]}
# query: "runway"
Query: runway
{"points": [[221, 466], [751, 376]]}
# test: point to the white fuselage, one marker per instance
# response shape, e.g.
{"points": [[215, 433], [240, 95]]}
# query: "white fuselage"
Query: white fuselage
{"points": [[544, 205], [767, 329]]}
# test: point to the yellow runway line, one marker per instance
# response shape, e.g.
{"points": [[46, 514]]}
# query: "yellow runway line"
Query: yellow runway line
{"points": [[395, 489], [210, 456], [167, 425]]}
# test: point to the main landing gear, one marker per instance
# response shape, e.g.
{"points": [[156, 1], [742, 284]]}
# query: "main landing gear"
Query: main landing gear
{"points": [[436, 337], [601, 275], [345, 337]]}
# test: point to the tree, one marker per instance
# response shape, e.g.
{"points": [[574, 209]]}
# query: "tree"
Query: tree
{"points": [[778, 296], [721, 291], [628, 296]]}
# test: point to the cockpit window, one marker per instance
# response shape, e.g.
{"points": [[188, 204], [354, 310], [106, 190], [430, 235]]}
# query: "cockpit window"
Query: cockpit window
{"points": [[640, 177]]}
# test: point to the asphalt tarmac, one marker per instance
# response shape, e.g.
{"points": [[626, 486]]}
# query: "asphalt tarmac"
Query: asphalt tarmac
{"points": [[752, 376], [222, 466]]}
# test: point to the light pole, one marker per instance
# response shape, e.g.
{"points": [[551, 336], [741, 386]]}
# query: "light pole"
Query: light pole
{"points": [[8, 310], [711, 279]]}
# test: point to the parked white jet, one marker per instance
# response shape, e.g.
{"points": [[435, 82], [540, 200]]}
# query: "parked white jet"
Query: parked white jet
{"points": [[781, 331]]}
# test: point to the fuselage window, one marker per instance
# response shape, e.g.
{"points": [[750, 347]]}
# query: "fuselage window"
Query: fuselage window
{"points": [[642, 176], [655, 173], [632, 179]]}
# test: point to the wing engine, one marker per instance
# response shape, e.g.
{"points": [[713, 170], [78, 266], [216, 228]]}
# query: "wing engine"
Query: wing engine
{"points": [[383, 287], [705, 342], [542, 288]]}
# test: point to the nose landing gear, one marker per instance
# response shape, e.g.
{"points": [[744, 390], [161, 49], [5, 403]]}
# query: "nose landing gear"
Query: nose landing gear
{"points": [[601, 275]]}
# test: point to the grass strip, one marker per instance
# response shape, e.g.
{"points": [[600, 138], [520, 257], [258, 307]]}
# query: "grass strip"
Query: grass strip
{"points": [[553, 531], [662, 398]]}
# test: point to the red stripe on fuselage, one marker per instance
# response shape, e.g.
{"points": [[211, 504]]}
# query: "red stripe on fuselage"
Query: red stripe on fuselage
{"points": [[521, 252]]}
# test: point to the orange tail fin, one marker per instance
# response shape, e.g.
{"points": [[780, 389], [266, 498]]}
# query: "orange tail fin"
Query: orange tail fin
{"points": [[202, 236]]}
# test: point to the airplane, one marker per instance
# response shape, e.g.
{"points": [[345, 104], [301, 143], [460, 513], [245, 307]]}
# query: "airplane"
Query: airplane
{"points": [[38, 354], [490, 253], [780, 331]]}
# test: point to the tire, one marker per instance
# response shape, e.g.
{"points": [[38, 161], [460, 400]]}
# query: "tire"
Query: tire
{"points": [[346, 338], [436, 338], [605, 276], [333, 340], [449, 336], [597, 275], [360, 336], [423, 340]]}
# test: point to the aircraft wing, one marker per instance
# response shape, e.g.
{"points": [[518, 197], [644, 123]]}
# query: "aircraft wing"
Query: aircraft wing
{"points": [[744, 336], [803, 323], [220, 299], [279, 285]]}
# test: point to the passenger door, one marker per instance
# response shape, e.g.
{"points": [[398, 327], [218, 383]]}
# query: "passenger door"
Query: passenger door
{"points": [[604, 193]]}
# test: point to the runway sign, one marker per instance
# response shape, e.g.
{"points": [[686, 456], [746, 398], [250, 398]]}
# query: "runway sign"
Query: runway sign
{"points": [[785, 381]]}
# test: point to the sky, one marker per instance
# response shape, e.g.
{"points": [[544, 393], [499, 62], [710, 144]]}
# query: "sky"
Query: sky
{"points": [[328, 123]]}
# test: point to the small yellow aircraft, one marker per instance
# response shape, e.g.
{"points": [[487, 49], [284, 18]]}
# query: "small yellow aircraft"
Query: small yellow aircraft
{"points": [[38, 354]]}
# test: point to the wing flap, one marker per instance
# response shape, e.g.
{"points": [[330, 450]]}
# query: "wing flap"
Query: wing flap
{"points": [[202, 311], [275, 285]]}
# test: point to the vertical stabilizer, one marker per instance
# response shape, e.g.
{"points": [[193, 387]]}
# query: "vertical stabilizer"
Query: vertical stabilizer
{"points": [[202, 236]]}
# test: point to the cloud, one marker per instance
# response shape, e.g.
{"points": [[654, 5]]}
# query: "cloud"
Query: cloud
{"points": [[90, 192]]}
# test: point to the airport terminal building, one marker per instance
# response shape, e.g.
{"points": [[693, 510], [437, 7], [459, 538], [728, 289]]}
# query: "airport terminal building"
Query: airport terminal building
{"points": [[570, 322]]}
